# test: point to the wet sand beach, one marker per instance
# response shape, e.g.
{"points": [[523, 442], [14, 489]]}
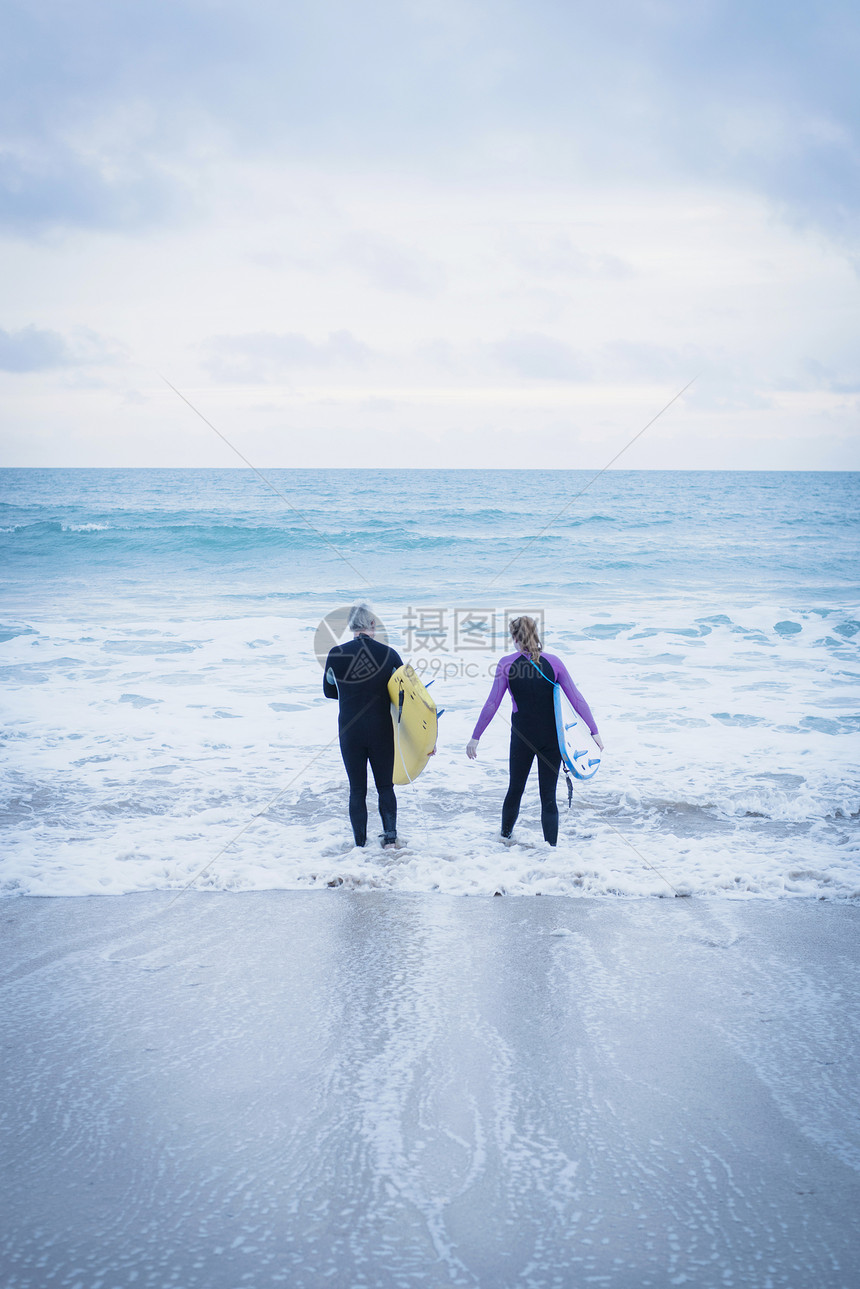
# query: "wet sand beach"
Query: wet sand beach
{"points": [[374, 1089]]}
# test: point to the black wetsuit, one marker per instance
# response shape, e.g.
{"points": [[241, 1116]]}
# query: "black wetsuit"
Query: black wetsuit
{"points": [[362, 669], [533, 734]]}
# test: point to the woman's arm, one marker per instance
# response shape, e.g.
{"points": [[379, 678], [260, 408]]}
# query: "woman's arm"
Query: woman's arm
{"points": [[497, 693], [580, 706]]}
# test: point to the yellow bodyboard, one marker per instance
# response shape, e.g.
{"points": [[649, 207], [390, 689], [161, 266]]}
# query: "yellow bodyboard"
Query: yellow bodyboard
{"points": [[413, 714]]}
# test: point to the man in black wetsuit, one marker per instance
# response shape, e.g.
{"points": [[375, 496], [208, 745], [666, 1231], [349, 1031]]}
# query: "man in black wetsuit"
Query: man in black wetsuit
{"points": [[357, 674]]}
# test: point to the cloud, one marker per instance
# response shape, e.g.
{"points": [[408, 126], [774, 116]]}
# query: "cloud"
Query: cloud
{"points": [[47, 188], [266, 356], [33, 349], [391, 266], [95, 123], [553, 255], [814, 375], [119, 115], [644, 360], [539, 357], [763, 97]]}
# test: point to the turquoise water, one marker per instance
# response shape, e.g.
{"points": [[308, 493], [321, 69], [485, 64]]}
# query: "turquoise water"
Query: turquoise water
{"points": [[162, 684], [121, 538]]}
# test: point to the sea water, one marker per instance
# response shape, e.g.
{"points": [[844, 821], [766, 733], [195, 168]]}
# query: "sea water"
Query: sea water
{"points": [[161, 647]]}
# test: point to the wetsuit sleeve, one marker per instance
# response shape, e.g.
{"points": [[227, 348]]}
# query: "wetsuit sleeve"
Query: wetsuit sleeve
{"points": [[491, 706], [329, 689], [396, 660], [579, 704]]}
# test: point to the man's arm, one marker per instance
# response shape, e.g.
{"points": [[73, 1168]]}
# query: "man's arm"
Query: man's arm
{"points": [[329, 682]]}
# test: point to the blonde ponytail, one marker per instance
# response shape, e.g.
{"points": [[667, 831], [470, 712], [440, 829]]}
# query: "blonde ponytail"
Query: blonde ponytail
{"points": [[525, 637]]}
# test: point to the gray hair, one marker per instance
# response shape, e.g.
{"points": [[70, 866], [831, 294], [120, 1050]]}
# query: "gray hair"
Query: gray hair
{"points": [[360, 618]]}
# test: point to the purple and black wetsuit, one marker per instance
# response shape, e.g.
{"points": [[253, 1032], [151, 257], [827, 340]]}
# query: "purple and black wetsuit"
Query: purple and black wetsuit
{"points": [[533, 730]]}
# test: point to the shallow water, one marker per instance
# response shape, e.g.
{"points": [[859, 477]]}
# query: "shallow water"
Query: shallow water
{"points": [[162, 688]]}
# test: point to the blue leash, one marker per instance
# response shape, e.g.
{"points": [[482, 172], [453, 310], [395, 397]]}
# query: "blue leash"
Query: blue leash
{"points": [[554, 684]]}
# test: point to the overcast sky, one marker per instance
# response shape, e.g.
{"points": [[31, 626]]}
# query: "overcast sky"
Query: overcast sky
{"points": [[430, 232]]}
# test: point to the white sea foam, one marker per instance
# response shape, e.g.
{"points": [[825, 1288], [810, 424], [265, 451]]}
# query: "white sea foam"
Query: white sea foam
{"points": [[161, 683], [139, 752]]}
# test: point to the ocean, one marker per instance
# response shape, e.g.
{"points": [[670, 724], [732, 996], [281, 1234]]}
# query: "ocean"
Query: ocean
{"points": [[161, 634]]}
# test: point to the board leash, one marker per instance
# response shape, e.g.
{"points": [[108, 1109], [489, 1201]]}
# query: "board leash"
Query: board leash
{"points": [[341, 556], [567, 777], [678, 894]]}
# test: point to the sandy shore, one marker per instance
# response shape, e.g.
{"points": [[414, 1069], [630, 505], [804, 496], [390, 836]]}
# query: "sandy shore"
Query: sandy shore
{"points": [[365, 1089]]}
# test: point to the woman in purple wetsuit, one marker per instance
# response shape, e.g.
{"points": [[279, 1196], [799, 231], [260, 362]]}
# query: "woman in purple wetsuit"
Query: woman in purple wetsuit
{"points": [[529, 676]]}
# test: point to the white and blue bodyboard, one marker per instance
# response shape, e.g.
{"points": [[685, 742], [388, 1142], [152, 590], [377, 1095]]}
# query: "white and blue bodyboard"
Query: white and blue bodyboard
{"points": [[579, 752]]}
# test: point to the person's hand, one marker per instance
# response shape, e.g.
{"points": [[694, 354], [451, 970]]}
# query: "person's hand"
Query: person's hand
{"points": [[598, 740], [472, 749]]}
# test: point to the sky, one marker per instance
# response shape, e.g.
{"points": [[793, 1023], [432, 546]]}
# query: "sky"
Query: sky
{"points": [[430, 233]]}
